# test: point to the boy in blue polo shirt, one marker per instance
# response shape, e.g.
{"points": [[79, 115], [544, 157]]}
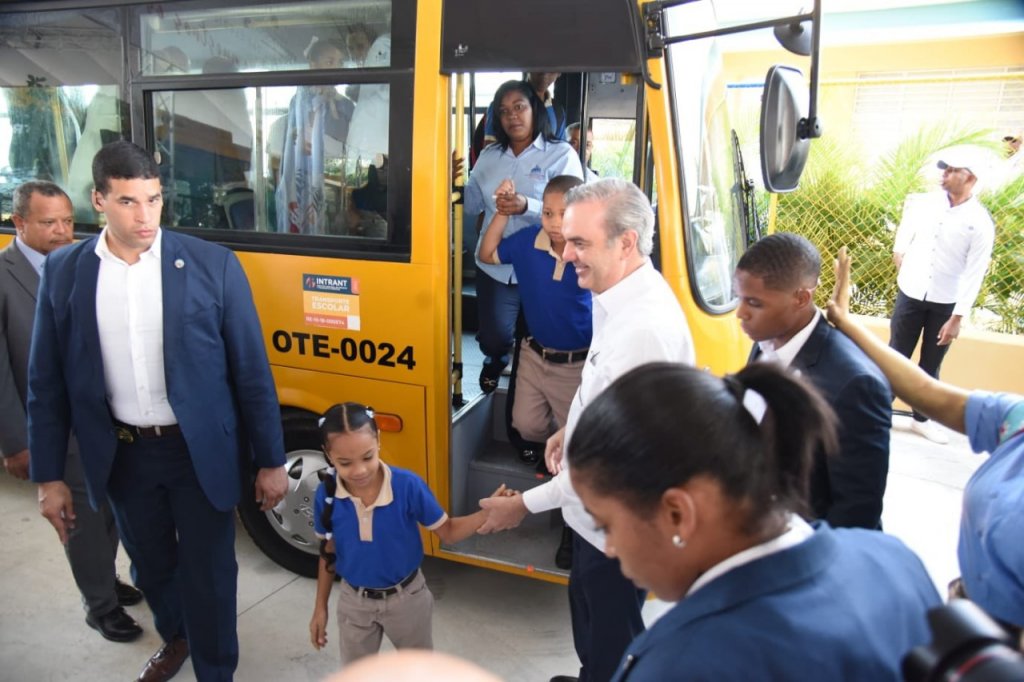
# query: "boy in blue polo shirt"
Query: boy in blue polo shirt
{"points": [[368, 515], [557, 311]]}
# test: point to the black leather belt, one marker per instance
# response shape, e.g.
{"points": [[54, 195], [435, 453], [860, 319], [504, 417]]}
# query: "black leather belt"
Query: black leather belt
{"points": [[128, 433], [559, 357], [371, 593]]}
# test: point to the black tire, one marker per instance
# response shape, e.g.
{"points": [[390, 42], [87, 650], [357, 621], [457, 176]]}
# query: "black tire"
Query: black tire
{"points": [[287, 536]]}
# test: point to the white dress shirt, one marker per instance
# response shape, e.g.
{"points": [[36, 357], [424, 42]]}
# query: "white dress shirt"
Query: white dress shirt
{"points": [[129, 314], [788, 352], [946, 249], [635, 322]]}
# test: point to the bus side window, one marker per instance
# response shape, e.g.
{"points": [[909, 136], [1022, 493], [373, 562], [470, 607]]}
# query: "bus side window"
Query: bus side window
{"points": [[52, 119], [309, 174]]}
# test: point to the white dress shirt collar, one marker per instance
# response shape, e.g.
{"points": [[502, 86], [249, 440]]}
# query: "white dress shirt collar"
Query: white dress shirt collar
{"points": [[788, 352], [797, 531], [623, 293], [104, 252]]}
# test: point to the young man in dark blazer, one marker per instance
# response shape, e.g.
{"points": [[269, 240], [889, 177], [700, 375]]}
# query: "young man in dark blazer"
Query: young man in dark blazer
{"points": [[775, 281], [148, 345]]}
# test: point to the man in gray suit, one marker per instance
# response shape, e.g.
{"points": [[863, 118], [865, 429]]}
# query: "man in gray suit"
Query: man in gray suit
{"points": [[44, 220]]}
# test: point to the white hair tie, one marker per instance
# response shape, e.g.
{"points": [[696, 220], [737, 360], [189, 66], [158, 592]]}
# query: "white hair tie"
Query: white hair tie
{"points": [[320, 422], [755, 404]]}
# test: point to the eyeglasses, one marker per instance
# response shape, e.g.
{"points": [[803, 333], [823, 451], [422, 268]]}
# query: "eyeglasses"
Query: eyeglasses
{"points": [[518, 108]]}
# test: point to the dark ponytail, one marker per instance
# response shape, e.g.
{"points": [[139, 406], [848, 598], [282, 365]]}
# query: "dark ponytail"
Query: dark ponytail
{"points": [[797, 424], [340, 418], [662, 424]]}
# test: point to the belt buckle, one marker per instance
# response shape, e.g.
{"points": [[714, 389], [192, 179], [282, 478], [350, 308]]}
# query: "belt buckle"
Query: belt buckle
{"points": [[124, 434]]}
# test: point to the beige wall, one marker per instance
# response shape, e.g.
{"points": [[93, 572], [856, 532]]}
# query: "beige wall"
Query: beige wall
{"points": [[836, 104], [849, 61], [1002, 368]]}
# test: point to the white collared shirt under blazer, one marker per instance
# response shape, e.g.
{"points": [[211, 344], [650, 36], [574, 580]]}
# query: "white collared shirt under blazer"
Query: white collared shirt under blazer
{"points": [[130, 319]]}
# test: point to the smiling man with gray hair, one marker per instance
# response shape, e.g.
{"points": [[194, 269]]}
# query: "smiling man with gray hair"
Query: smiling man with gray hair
{"points": [[609, 234]]}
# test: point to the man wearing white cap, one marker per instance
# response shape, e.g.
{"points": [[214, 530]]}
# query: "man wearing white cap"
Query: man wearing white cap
{"points": [[942, 250]]}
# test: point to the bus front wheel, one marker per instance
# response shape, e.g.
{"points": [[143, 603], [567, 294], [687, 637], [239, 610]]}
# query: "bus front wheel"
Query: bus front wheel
{"points": [[285, 534]]}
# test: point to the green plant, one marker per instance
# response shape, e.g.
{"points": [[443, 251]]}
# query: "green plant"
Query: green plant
{"points": [[843, 201]]}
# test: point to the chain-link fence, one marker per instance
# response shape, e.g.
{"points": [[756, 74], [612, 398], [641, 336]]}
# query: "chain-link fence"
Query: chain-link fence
{"points": [[859, 174]]}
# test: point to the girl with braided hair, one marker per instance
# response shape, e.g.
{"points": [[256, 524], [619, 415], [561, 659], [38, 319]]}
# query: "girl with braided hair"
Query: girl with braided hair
{"points": [[368, 515]]}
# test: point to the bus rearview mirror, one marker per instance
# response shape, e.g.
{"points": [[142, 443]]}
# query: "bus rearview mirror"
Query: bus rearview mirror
{"points": [[783, 149]]}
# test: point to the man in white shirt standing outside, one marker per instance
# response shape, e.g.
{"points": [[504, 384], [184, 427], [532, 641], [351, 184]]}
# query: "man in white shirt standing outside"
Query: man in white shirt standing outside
{"points": [[942, 250], [609, 233]]}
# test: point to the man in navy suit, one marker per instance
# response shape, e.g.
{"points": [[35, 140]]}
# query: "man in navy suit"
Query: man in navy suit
{"points": [[775, 281], [147, 344]]}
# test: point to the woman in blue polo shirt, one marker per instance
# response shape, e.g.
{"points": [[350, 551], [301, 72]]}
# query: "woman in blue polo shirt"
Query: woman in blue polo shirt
{"points": [[529, 155], [368, 515]]}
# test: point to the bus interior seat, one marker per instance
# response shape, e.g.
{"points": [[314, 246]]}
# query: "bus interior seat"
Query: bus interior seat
{"points": [[239, 207]]}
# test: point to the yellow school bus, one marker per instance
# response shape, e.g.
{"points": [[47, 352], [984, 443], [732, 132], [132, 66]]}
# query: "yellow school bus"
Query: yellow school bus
{"points": [[315, 138]]}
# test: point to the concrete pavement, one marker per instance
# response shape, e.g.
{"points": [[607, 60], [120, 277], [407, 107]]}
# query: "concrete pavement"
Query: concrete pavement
{"points": [[515, 627]]}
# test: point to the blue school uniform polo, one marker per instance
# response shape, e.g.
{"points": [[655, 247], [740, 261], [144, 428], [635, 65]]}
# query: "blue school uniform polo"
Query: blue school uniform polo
{"points": [[557, 310], [990, 550], [379, 546]]}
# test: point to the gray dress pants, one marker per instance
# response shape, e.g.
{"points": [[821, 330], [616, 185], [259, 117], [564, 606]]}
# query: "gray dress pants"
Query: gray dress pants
{"points": [[92, 544]]}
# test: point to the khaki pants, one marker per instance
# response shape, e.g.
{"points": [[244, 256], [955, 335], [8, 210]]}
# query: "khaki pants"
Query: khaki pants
{"points": [[544, 391], [405, 617]]}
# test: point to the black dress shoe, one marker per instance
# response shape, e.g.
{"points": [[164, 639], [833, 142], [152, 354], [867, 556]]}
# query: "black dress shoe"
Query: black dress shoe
{"points": [[563, 555], [117, 626], [127, 595], [564, 678], [529, 456], [490, 374]]}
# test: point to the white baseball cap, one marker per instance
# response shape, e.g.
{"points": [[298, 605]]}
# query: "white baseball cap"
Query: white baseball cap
{"points": [[961, 157]]}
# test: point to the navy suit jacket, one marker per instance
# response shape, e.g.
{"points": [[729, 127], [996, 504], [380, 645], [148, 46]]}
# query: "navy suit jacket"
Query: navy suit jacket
{"points": [[844, 605], [218, 379], [847, 489]]}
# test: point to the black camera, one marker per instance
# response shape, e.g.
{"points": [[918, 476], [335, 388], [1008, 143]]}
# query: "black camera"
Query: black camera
{"points": [[967, 646]]}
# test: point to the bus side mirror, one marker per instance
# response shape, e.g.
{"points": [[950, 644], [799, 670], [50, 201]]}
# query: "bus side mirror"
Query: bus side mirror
{"points": [[783, 149]]}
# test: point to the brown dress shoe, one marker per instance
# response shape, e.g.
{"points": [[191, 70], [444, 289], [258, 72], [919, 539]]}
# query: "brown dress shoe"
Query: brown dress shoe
{"points": [[166, 662]]}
